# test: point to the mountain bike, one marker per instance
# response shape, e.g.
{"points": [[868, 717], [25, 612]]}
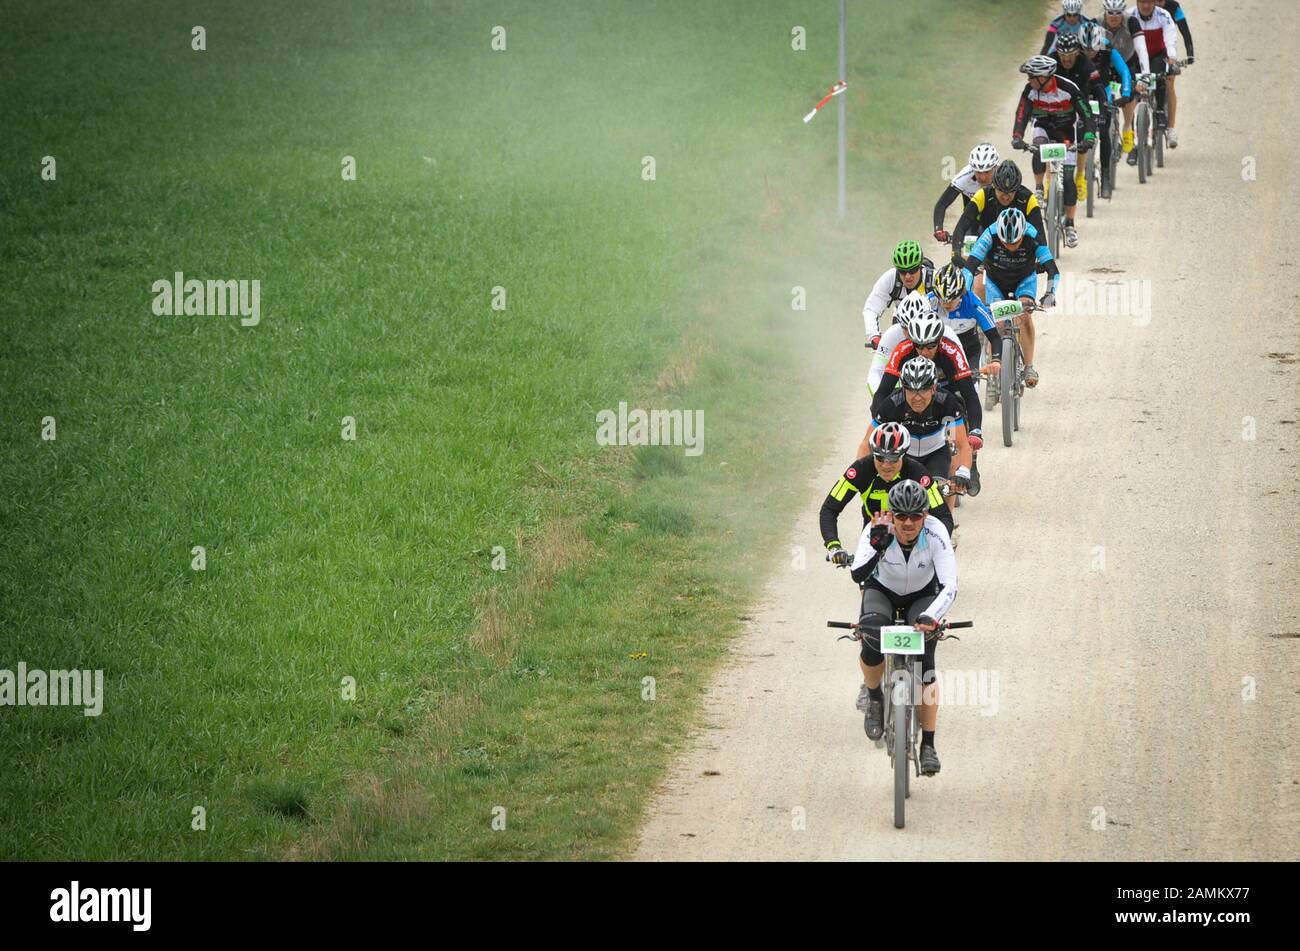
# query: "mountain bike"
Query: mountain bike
{"points": [[1008, 386], [1090, 171], [902, 645], [1116, 132], [1053, 155], [1143, 120]]}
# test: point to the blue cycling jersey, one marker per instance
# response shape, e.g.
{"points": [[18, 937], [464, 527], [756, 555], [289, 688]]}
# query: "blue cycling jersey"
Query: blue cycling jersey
{"points": [[970, 309]]}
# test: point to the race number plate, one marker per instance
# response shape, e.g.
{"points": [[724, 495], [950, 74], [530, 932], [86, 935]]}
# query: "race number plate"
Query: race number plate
{"points": [[967, 243], [1096, 107], [1007, 308], [901, 639], [1115, 88], [1052, 151]]}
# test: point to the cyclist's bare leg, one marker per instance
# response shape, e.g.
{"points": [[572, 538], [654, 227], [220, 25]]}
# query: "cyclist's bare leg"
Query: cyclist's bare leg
{"points": [[929, 708], [871, 676], [1171, 101], [1026, 324], [1129, 109]]}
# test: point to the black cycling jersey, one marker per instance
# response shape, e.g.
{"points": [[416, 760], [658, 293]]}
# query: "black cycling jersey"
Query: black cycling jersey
{"points": [[1084, 74], [927, 427], [1175, 10], [863, 479], [1007, 268], [983, 211]]}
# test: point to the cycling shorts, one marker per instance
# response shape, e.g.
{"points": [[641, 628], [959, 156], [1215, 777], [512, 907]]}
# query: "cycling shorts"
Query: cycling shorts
{"points": [[1028, 287]]}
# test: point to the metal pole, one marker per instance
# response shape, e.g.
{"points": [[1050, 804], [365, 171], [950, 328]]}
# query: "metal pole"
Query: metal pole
{"points": [[842, 97]]}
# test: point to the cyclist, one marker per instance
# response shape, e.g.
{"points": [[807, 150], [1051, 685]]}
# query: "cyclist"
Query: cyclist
{"points": [[1162, 50], [977, 173], [1058, 107], [1180, 20], [928, 412], [871, 477], [1070, 21], [911, 272], [990, 201], [929, 336], [904, 562], [1075, 64], [1111, 67], [912, 306], [1013, 253], [1128, 40]]}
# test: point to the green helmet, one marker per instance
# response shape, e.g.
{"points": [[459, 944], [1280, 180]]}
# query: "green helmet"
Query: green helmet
{"points": [[907, 255]]}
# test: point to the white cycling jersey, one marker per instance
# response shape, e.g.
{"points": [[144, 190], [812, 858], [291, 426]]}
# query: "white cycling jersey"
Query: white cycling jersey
{"points": [[932, 556], [888, 290], [964, 182], [1160, 33], [890, 339]]}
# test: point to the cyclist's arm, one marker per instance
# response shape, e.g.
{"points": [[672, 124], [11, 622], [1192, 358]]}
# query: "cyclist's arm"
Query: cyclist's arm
{"points": [[1139, 44], [984, 318], [945, 570], [1180, 21], [865, 558], [1047, 264], [1084, 112], [1122, 71], [876, 303], [1048, 40], [967, 221], [979, 253], [1034, 214], [888, 383], [879, 361], [1024, 110], [941, 206], [840, 495], [1171, 37]]}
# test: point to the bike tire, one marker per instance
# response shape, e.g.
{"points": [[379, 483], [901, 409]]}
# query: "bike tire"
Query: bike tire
{"points": [[901, 764], [1053, 220], [1160, 148], [1089, 176], [1141, 126], [1007, 384]]}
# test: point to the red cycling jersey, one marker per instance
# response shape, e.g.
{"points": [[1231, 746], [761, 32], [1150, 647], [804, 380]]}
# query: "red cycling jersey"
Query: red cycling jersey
{"points": [[956, 357]]}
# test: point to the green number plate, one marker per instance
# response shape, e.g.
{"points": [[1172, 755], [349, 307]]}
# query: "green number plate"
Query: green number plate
{"points": [[901, 639], [1096, 107], [1115, 89], [1052, 151], [967, 243], [1007, 308]]}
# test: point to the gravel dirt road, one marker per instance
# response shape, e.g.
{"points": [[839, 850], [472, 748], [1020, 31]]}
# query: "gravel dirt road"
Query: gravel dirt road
{"points": [[1131, 564]]}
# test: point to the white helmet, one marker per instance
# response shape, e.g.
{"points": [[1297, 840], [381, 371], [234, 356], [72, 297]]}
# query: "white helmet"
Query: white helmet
{"points": [[984, 158], [1073, 7], [1011, 226], [1113, 6], [918, 373], [911, 307], [926, 330]]}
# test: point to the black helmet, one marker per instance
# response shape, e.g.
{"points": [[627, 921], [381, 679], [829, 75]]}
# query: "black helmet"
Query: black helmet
{"points": [[1007, 176], [908, 498]]}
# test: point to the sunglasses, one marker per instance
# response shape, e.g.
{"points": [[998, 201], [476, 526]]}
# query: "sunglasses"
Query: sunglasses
{"points": [[882, 457], [917, 517], [910, 270], [928, 389]]}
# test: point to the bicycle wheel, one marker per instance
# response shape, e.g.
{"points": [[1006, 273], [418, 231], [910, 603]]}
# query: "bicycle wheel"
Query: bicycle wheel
{"points": [[1160, 148], [1020, 391], [1007, 384], [1053, 216], [1142, 125], [900, 762], [1089, 176]]}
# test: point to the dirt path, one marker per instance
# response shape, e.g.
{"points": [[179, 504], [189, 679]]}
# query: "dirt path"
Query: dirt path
{"points": [[1131, 565]]}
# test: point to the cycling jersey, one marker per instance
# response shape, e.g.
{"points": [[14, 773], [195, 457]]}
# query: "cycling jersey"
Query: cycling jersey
{"points": [[971, 312], [1160, 33], [890, 339], [1057, 27], [1112, 67], [984, 209], [954, 374], [889, 290], [963, 184], [1054, 108], [863, 479], [1007, 267], [1084, 74], [1175, 10], [928, 427], [1129, 40], [904, 571]]}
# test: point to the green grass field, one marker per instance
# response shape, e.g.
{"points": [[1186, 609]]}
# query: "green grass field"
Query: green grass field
{"points": [[372, 558]]}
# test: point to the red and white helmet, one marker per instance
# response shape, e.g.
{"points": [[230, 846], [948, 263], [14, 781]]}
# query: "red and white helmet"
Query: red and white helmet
{"points": [[889, 441]]}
